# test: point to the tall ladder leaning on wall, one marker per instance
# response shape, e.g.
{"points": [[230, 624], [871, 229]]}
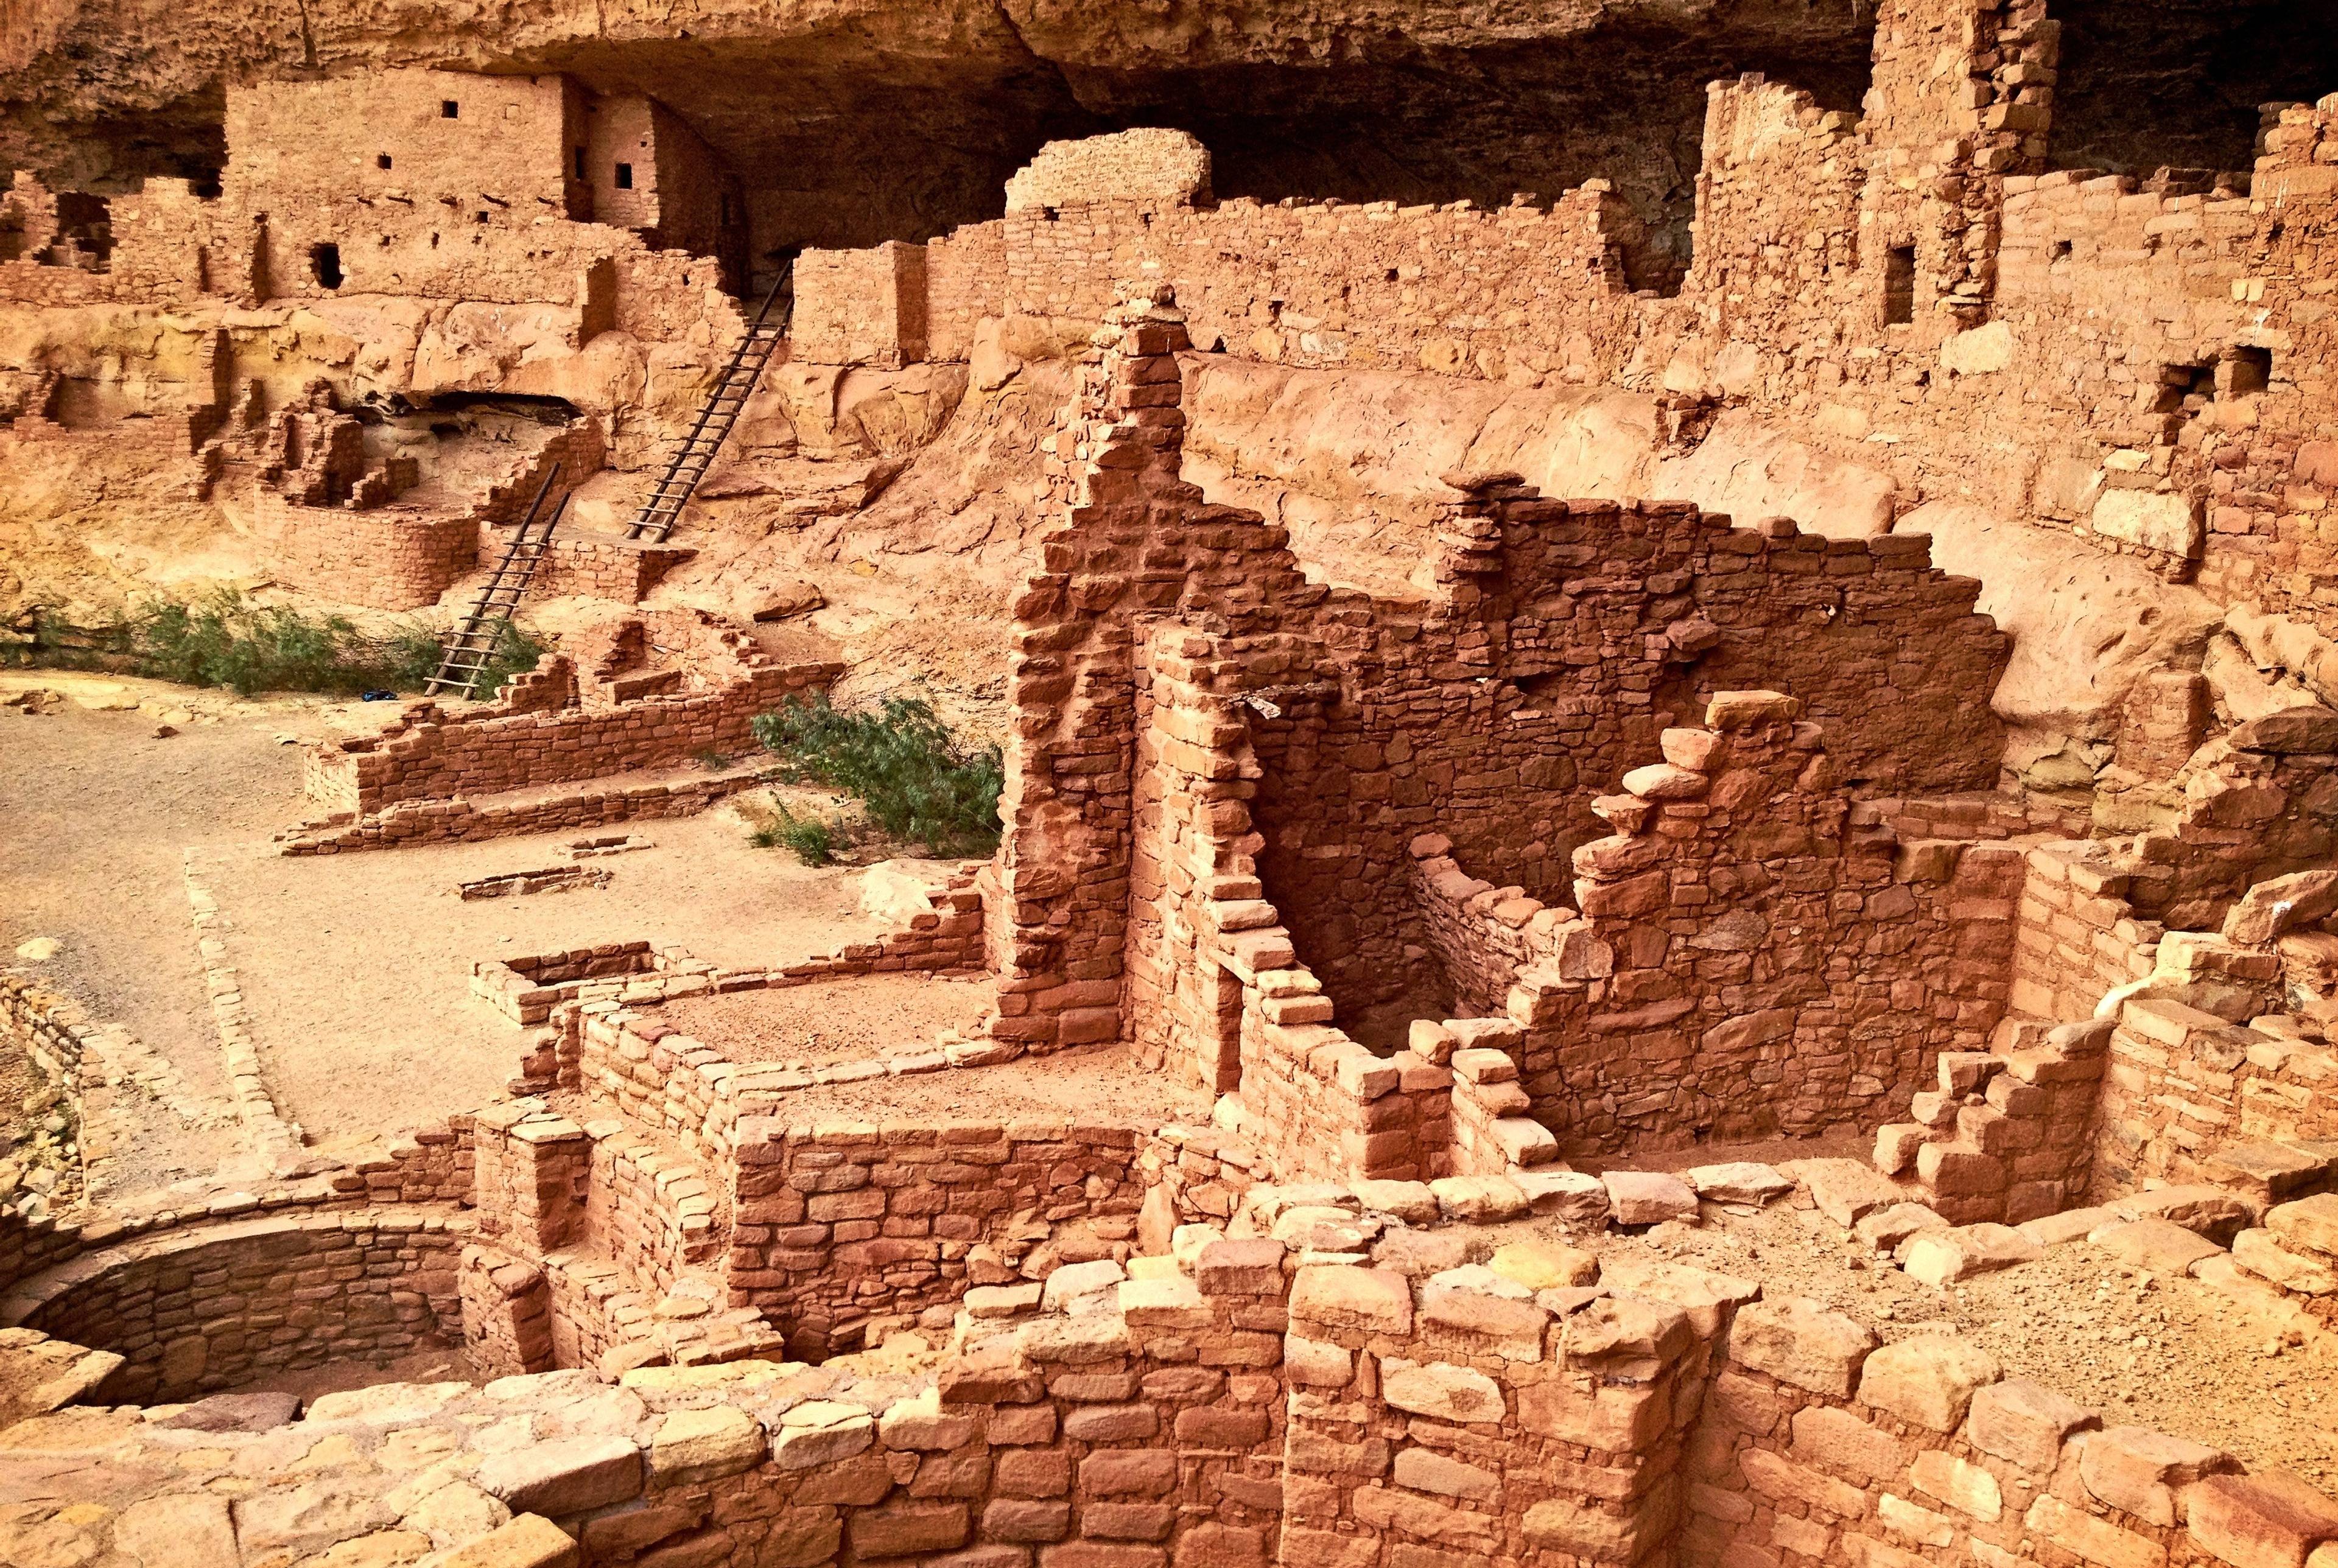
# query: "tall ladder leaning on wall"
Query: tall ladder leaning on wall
{"points": [[472, 647], [655, 521]]}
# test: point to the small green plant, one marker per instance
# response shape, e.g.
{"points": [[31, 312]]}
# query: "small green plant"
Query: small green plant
{"points": [[225, 639], [811, 839], [918, 781]]}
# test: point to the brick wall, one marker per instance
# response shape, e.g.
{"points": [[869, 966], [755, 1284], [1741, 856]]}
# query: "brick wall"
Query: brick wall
{"points": [[860, 307], [2183, 1086], [197, 1311], [966, 281], [835, 1225], [1157, 166], [387, 558], [434, 756]]}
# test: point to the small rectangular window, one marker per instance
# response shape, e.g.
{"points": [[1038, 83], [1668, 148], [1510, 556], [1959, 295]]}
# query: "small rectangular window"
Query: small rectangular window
{"points": [[580, 162], [624, 176], [1900, 286], [325, 264], [448, 109], [381, 159]]}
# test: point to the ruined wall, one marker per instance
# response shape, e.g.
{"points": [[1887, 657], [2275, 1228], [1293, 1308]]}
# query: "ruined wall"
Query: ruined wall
{"points": [[437, 757], [1454, 289], [861, 307], [1748, 964], [2184, 1088], [220, 1306], [389, 558], [966, 281], [836, 1225]]}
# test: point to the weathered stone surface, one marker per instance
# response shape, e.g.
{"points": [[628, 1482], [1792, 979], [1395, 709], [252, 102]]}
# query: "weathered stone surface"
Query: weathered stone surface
{"points": [[1927, 1379], [1797, 1341]]}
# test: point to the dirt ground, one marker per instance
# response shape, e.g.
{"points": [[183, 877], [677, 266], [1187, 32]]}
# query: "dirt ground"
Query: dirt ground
{"points": [[353, 969], [2165, 1352], [95, 816], [1101, 1085], [356, 967], [833, 1020]]}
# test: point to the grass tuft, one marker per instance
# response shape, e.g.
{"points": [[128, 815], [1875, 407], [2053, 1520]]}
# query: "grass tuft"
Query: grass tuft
{"points": [[812, 840], [918, 783], [225, 639]]}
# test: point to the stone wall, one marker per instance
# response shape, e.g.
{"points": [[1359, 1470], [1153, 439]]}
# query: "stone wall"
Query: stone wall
{"points": [[1239, 1402], [861, 307], [2183, 1090], [436, 756], [387, 558], [966, 281], [1159, 167], [1748, 963], [836, 1225], [192, 1312]]}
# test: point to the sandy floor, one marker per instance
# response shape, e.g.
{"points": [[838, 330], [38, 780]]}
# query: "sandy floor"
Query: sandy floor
{"points": [[1085, 1085], [95, 814], [833, 1020], [2166, 1353], [354, 968]]}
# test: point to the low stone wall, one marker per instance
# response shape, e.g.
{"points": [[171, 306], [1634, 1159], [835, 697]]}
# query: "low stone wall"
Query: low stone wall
{"points": [[436, 756], [1241, 1402], [448, 821], [525, 988], [2183, 1087], [621, 570], [199, 1310]]}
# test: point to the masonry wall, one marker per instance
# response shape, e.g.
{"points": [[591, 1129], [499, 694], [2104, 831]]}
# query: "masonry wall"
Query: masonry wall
{"points": [[387, 558], [1746, 963], [837, 1225], [966, 281], [2182, 1088], [1498, 719], [440, 757], [224, 1306], [861, 307]]}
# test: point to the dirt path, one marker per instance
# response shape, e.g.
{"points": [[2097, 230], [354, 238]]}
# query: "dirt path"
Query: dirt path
{"points": [[95, 814]]}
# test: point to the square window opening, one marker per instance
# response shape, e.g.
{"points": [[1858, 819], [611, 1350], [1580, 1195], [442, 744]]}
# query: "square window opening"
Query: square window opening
{"points": [[624, 176], [381, 161], [449, 109]]}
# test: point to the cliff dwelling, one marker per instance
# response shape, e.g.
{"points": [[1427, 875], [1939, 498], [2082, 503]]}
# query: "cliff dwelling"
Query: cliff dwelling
{"points": [[1153, 787]]}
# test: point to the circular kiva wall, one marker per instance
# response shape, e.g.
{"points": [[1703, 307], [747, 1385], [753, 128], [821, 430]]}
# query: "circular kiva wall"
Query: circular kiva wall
{"points": [[197, 1311]]}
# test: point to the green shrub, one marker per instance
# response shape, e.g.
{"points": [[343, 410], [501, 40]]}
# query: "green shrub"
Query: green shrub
{"points": [[226, 640], [918, 783], [812, 840]]}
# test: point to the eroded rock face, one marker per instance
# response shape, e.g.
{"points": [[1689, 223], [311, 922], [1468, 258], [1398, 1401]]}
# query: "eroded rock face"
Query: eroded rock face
{"points": [[1353, 461], [2087, 628]]}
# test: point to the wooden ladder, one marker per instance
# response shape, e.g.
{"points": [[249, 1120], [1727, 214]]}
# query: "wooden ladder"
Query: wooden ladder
{"points": [[473, 645], [663, 508]]}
